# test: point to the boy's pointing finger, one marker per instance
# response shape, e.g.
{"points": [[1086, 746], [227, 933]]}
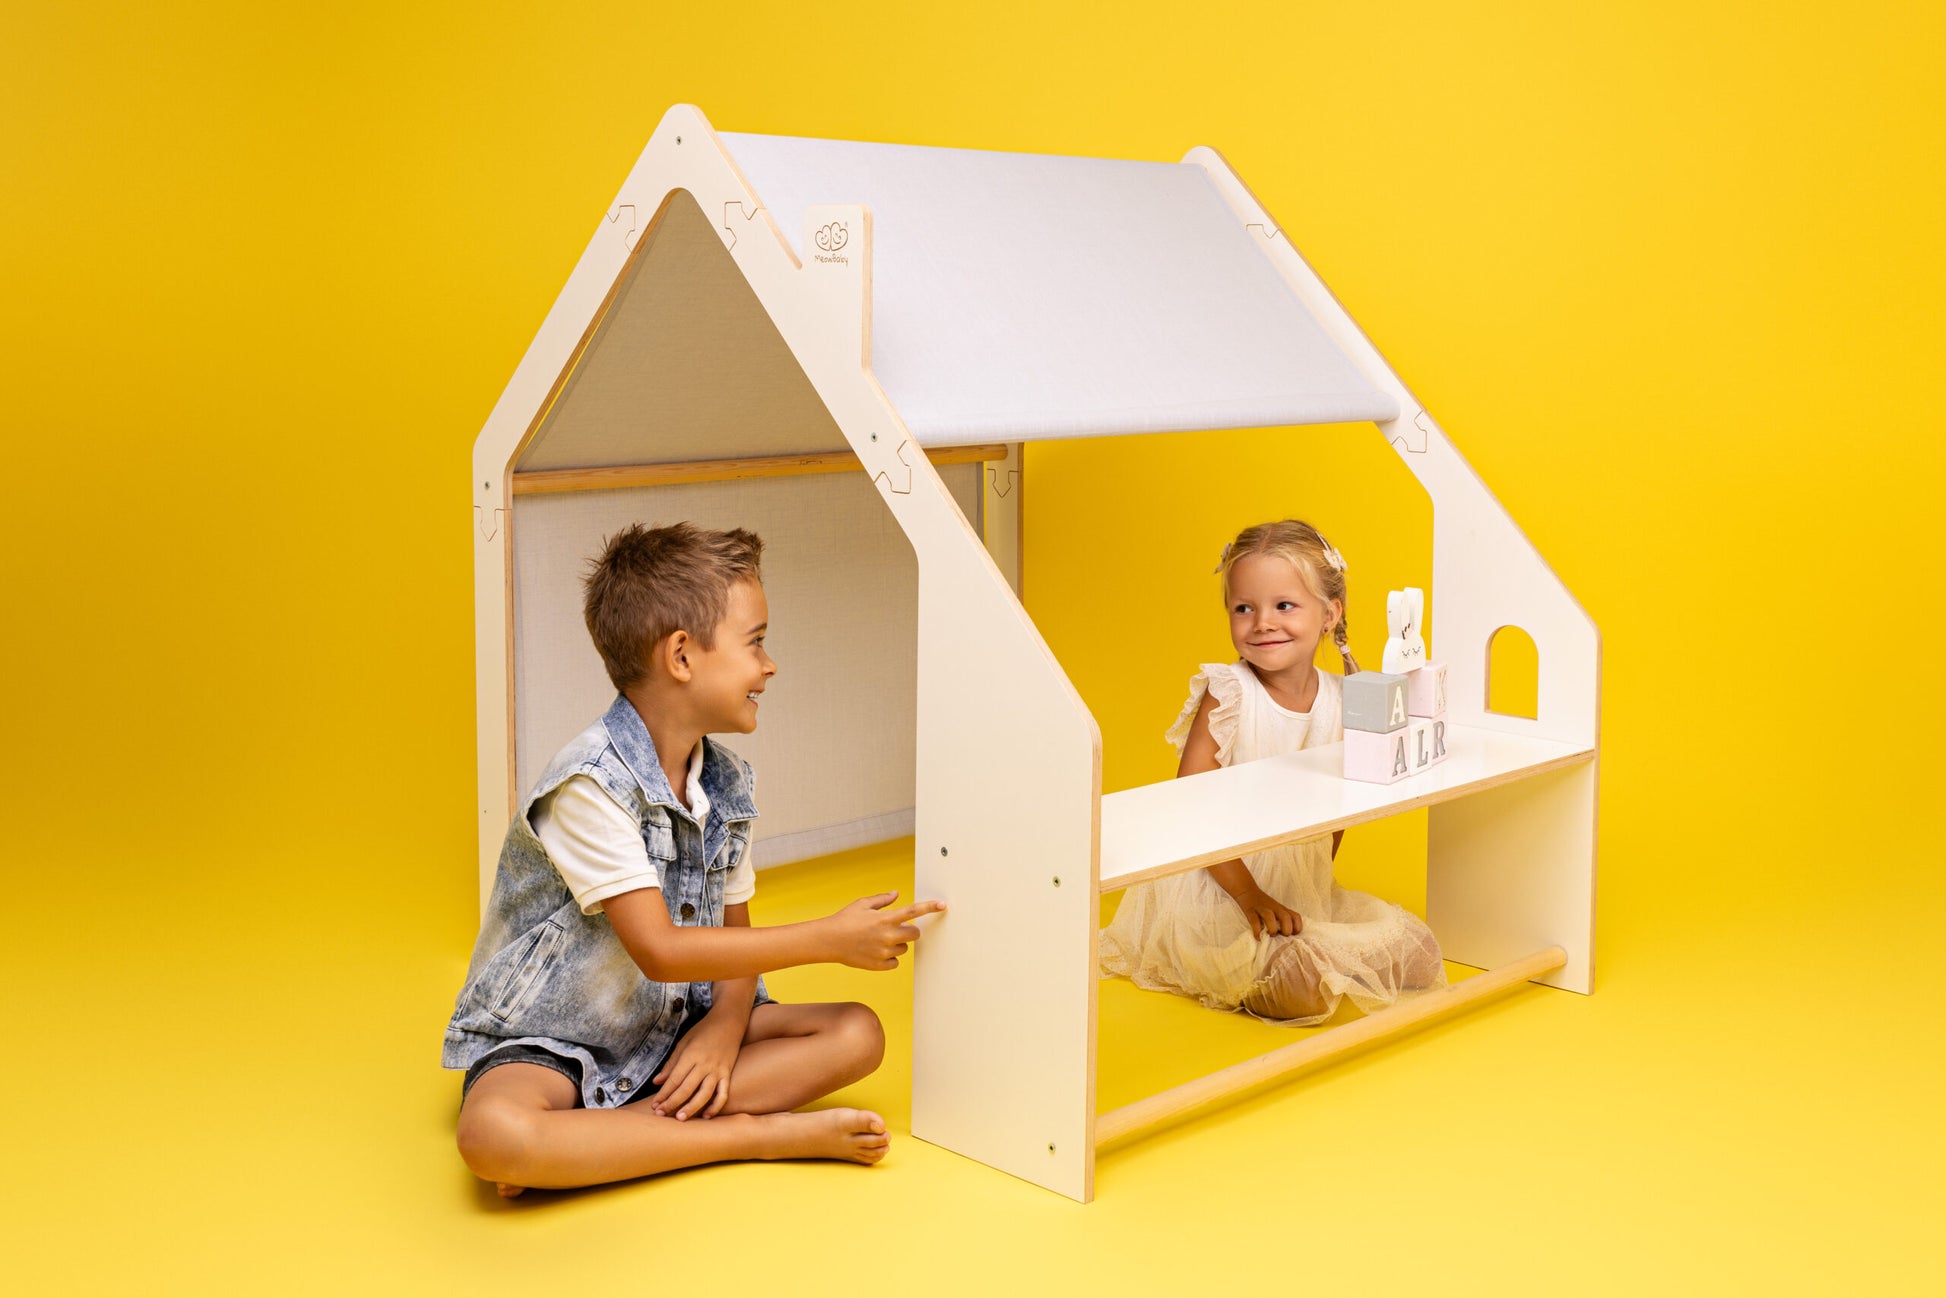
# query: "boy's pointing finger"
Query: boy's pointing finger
{"points": [[918, 908]]}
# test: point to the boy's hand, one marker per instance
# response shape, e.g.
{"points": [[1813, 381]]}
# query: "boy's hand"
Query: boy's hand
{"points": [[696, 1078], [865, 935], [1269, 915]]}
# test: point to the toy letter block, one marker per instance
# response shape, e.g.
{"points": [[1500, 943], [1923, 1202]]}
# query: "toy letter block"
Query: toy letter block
{"points": [[1384, 758], [1426, 743], [1405, 613], [1375, 702], [1378, 758], [1425, 691]]}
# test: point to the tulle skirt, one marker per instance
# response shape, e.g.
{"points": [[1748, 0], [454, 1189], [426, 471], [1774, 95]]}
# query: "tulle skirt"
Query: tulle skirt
{"points": [[1184, 934]]}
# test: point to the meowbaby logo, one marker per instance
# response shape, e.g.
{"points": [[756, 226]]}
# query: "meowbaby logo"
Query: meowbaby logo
{"points": [[829, 239]]}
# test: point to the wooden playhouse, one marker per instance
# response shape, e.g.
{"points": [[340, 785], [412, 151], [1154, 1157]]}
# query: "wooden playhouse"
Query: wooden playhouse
{"points": [[757, 319]]}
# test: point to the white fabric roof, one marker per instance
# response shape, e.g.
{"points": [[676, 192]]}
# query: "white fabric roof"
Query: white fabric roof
{"points": [[1023, 296]]}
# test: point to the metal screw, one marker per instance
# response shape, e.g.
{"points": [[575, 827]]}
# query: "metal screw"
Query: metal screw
{"points": [[942, 851], [1050, 1147], [875, 437], [679, 139], [1057, 880]]}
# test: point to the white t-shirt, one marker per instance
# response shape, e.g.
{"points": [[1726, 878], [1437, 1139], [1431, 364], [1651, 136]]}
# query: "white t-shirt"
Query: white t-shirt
{"points": [[597, 845]]}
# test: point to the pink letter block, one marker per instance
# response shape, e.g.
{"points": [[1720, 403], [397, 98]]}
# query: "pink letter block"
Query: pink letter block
{"points": [[1379, 758], [1425, 691], [1426, 743]]}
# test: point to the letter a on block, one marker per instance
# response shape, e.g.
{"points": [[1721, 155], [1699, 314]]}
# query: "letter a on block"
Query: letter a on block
{"points": [[1375, 757], [1375, 702]]}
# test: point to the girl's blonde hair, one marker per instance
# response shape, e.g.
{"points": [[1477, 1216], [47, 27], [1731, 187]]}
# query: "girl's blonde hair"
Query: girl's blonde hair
{"points": [[1305, 548]]}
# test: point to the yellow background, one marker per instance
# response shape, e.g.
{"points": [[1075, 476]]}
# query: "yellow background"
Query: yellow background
{"points": [[1669, 275]]}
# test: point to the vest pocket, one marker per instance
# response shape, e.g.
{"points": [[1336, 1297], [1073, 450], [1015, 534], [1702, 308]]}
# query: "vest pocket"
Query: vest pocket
{"points": [[659, 841], [736, 841], [519, 982]]}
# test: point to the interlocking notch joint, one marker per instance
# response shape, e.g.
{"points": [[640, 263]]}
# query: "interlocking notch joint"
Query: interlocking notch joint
{"points": [[488, 521], [1001, 488], [882, 476], [625, 212], [1410, 435], [733, 212]]}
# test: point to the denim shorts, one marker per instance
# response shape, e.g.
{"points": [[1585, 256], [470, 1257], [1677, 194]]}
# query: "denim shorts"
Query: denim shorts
{"points": [[526, 1052], [523, 1054]]}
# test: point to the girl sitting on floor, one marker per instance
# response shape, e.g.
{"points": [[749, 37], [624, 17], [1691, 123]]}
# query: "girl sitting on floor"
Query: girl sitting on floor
{"points": [[1271, 933]]}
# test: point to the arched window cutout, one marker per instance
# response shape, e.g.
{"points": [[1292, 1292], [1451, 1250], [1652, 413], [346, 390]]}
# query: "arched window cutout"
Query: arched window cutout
{"points": [[1513, 673]]}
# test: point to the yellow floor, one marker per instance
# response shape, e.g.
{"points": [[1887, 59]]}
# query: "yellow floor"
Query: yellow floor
{"points": [[1654, 268], [1687, 1130]]}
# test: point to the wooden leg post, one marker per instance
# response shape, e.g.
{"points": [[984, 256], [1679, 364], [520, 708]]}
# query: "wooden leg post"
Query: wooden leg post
{"points": [[1325, 1045]]}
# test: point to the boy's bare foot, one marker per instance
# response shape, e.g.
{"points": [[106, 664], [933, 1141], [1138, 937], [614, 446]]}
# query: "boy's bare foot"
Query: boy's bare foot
{"points": [[855, 1135], [849, 1135]]}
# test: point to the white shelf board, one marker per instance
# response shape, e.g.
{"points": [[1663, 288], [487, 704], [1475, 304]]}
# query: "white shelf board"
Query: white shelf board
{"points": [[1199, 820]]}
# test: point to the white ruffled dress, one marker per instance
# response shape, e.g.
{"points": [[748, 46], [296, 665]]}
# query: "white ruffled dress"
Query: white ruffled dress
{"points": [[1184, 934]]}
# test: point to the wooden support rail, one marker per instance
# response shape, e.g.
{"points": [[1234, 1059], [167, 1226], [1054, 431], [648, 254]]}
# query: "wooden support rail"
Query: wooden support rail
{"points": [[762, 466], [1325, 1045]]}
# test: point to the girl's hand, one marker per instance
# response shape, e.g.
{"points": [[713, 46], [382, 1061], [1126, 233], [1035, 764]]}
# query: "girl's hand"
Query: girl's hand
{"points": [[865, 935], [696, 1079], [1268, 915]]}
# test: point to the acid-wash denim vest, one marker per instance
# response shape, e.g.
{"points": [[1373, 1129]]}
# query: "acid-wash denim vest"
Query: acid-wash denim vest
{"points": [[545, 974]]}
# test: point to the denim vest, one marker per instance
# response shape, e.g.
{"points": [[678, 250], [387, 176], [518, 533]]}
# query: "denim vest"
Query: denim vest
{"points": [[545, 974]]}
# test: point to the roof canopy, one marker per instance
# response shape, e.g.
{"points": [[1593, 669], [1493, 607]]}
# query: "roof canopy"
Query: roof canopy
{"points": [[1020, 296], [1014, 297]]}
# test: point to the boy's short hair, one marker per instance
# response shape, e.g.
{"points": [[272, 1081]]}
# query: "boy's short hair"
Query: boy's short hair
{"points": [[650, 582]]}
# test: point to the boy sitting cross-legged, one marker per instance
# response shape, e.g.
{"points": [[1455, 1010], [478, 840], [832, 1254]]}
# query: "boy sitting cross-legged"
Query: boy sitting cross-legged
{"points": [[615, 992]]}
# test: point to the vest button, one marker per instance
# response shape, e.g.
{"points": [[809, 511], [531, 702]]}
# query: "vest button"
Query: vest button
{"points": [[677, 1004], [688, 910], [624, 1085], [601, 1096]]}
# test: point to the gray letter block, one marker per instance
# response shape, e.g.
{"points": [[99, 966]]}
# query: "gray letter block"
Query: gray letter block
{"points": [[1375, 702]]}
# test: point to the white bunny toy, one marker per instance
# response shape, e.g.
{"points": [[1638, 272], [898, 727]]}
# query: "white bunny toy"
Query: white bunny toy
{"points": [[1405, 611]]}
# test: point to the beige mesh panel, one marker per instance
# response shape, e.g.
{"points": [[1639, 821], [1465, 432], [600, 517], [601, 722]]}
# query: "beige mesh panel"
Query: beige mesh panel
{"points": [[834, 748], [685, 365]]}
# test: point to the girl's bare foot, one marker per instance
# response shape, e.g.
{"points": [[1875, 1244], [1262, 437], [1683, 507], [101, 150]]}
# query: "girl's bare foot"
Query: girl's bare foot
{"points": [[1289, 987], [855, 1135], [509, 1191]]}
